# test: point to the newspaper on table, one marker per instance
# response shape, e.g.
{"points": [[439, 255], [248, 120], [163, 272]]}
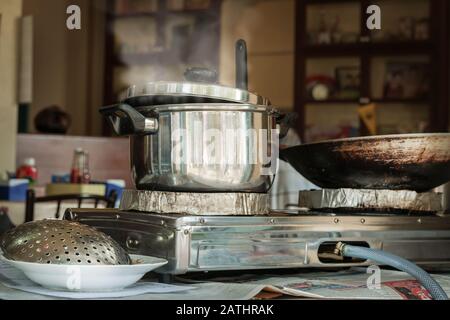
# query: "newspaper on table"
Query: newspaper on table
{"points": [[393, 285], [355, 283]]}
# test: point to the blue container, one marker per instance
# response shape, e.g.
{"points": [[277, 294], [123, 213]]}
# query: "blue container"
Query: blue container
{"points": [[61, 178], [118, 186], [14, 190]]}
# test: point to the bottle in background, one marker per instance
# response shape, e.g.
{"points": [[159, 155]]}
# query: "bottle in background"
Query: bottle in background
{"points": [[28, 170], [86, 175], [80, 167], [75, 173]]}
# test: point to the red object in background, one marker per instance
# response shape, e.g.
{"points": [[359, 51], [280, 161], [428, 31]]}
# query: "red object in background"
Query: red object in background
{"points": [[80, 167], [75, 176], [28, 170]]}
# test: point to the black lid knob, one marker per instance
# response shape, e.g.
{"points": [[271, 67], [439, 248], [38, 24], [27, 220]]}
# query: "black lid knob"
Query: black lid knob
{"points": [[204, 75]]}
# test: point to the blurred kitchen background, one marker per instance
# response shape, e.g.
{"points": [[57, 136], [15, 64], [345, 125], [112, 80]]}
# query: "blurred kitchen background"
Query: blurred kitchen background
{"points": [[313, 57]]}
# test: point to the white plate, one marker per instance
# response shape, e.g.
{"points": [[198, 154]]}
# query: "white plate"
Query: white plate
{"points": [[87, 278]]}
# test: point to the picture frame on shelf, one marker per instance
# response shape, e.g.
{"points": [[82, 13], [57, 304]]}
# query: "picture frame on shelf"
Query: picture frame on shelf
{"points": [[406, 80], [348, 82]]}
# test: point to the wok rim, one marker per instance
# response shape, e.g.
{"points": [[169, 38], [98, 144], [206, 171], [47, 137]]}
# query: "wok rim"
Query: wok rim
{"points": [[377, 137]]}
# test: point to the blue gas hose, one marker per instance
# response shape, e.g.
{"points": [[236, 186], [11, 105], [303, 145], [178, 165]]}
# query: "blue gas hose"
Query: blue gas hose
{"points": [[385, 258]]}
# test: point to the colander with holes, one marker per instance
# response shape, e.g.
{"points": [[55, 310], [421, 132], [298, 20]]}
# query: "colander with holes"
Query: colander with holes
{"points": [[62, 242], [47, 252]]}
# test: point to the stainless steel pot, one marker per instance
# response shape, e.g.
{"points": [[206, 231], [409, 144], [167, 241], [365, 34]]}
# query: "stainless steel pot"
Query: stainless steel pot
{"points": [[199, 147], [198, 136]]}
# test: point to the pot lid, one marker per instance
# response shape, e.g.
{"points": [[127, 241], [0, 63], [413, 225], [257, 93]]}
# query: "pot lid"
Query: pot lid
{"points": [[208, 107], [200, 87], [162, 93]]}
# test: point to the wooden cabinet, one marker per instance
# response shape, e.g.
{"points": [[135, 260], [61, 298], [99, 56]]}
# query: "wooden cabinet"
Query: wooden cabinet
{"points": [[402, 68]]}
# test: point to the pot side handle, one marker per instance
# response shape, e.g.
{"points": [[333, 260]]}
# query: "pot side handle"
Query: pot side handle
{"points": [[125, 120], [286, 122]]}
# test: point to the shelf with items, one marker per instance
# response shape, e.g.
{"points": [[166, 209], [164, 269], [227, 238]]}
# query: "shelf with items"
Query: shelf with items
{"points": [[400, 79], [342, 22], [416, 44], [332, 79], [328, 68], [403, 25], [335, 23]]}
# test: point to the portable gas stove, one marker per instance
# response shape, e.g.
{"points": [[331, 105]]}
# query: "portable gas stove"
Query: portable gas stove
{"points": [[217, 232]]}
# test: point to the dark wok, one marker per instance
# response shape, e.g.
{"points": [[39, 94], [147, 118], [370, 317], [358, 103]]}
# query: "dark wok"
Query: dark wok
{"points": [[417, 162]]}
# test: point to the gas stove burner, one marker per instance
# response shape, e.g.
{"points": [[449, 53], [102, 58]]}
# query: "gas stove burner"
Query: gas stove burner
{"points": [[190, 203], [278, 240], [363, 201]]}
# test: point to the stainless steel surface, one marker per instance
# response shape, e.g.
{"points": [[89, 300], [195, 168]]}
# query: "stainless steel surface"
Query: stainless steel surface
{"points": [[371, 200], [417, 162], [155, 93], [206, 148], [445, 191], [61, 242], [189, 203], [151, 125], [281, 240], [446, 198]]}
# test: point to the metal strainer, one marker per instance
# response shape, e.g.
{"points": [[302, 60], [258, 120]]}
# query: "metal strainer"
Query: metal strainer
{"points": [[62, 242]]}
